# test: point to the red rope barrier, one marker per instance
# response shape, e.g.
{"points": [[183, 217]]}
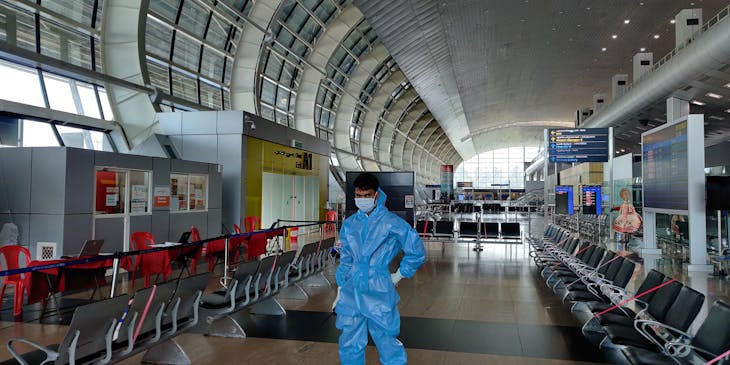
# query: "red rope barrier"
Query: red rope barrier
{"points": [[718, 358], [637, 296]]}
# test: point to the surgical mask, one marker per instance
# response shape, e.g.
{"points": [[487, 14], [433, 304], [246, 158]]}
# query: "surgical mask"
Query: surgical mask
{"points": [[365, 204]]}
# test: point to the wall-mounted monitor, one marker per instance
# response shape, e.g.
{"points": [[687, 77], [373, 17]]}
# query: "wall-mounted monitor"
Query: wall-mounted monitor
{"points": [[665, 168], [591, 199], [564, 199], [718, 192]]}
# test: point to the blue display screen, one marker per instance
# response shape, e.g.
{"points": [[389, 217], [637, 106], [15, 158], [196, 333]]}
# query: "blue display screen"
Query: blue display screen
{"points": [[564, 199], [592, 199]]}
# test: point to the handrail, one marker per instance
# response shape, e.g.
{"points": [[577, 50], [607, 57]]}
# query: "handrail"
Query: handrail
{"points": [[705, 27]]}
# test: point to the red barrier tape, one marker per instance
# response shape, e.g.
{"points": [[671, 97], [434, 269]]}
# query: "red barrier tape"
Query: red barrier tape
{"points": [[425, 227], [576, 254], [144, 313], [637, 296], [718, 358]]}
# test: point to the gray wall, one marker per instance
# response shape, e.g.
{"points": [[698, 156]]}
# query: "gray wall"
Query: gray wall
{"points": [[48, 192], [220, 137]]}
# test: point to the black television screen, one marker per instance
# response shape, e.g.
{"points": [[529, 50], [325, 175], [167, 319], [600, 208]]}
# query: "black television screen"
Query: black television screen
{"points": [[664, 167], [718, 192], [564, 199]]}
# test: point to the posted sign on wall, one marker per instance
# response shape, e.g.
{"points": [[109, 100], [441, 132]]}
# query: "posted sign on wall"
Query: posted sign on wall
{"points": [[578, 145]]}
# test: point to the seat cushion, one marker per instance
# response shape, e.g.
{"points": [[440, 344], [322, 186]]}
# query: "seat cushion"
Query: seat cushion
{"points": [[214, 300], [597, 307], [628, 336], [642, 356], [608, 319]]}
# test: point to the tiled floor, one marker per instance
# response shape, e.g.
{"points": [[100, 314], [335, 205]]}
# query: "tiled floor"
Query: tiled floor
{"points": [[461, 307]]}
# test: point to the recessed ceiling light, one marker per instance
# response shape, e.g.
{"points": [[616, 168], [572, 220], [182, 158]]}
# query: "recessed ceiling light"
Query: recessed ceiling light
{"points": [[697, 102], [627, 21], [672, 21], [642, 49], [714, 96], [727, 85], [614, 36], [603, 49], [656, 36], [715, 117], [727, 110]]}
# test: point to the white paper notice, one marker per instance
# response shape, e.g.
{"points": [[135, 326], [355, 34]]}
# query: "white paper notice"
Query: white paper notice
{"points": [[139, 192], [138, 207], [162, 191], [111, 200]]}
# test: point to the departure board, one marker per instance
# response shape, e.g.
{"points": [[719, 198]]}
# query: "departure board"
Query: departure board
{"points": [[578, 145], [564, 199], [591, 199], [664, 167]]}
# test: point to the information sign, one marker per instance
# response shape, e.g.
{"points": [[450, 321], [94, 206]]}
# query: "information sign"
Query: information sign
{"points": [[578, 145]]}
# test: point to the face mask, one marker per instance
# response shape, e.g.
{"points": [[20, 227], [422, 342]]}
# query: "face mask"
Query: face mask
{"points": [[365, 204]]}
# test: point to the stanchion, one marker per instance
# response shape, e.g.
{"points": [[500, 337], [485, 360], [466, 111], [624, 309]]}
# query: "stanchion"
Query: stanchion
{"points": [[115, 274], [225, 265]]}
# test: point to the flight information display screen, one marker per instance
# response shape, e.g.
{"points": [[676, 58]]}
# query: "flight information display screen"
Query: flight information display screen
{"points": [[591, 199], [664, 167], [564, 199]]}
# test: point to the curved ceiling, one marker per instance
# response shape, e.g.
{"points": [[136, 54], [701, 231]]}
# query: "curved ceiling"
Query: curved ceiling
{"points": [[483, 65]]}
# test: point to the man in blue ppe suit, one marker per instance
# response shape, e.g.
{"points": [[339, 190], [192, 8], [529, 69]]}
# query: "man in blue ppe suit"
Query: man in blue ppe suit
{"points": [[366, 297]]}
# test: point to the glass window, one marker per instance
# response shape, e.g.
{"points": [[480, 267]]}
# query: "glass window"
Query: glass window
{"points": [[27, 88], [87, 96], [105, 106], [38, 134], [60, 96], [188, 192], [110, 191], [139, 183]]}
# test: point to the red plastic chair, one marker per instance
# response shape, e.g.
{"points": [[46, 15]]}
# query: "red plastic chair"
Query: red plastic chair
{"points": [[150, 263], [256, 246], [215, 249], [330, 216], [16, 257], [252, 223], [195, 237]]}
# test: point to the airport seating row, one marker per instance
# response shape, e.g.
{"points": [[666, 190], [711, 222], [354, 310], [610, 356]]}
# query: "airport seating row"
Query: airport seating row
{"points": [[469, 230], [111, 330], [590, 227], [648, 326], [114, 329], [254, 284]]}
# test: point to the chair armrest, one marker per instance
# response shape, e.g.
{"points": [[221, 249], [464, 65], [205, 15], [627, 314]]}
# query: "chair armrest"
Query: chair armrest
{"points": [[682, 349], [130, 333], [232, 295], [643, 326], [644, 323], [50, 354]]}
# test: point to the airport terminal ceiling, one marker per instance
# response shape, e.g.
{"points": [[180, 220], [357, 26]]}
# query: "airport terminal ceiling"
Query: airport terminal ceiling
{"points": [[480, 65], [405, 85]]}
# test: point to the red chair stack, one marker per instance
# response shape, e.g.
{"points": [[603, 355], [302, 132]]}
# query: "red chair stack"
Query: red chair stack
{"points": [[150, 263]]}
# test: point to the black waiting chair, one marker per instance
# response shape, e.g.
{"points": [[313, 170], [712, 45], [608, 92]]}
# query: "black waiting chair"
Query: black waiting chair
{"points": [[88, 338], [711, 340]]}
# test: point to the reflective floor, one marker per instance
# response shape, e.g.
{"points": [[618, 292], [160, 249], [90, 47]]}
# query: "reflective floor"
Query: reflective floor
{"points": [[462, 307]]}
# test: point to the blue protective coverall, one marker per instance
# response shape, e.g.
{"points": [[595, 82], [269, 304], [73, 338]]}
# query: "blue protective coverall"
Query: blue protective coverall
{"points": [[368, 299]]}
